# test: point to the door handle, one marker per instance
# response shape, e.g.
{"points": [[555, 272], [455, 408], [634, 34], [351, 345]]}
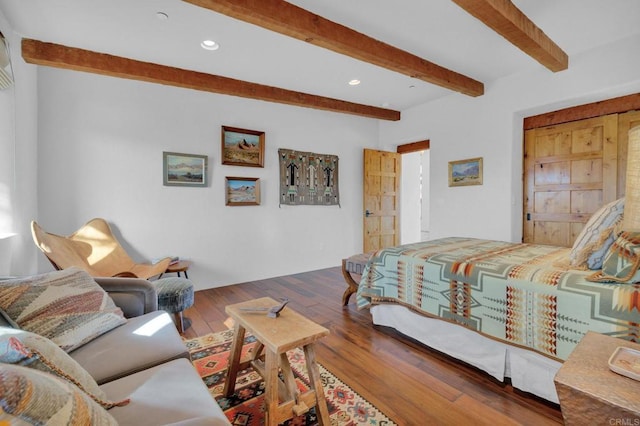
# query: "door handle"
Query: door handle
{"points": [[367, 213]]}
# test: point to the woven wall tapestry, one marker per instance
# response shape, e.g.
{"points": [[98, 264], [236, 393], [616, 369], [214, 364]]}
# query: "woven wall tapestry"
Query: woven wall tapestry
{"points": [[308, 178]]}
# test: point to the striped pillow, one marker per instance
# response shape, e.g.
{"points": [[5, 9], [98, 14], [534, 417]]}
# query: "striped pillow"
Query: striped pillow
{"points": [[593, 242], [30, 350], [66, 306], [29, 396]]}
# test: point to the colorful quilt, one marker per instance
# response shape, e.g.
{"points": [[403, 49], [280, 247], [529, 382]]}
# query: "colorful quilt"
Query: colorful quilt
{"points": [[521, 294]]}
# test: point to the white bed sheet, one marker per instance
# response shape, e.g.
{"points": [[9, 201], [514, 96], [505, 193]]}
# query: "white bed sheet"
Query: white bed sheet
{"points": [[529, 371]]}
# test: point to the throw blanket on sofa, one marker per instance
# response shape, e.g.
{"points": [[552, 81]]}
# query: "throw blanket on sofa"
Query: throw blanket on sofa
{"points": [[517, 293]]}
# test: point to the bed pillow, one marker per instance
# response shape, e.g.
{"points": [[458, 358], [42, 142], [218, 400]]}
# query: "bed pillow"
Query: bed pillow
{"points": [[66, 306], [593, 242], [30, 350], [28, 396], [622, 262]]}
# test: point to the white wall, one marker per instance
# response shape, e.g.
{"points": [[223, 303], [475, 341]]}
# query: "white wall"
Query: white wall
{"points": [[414, 197], [490, 126], [100, 154], [410, 203], [425, 221], [18, 147]]}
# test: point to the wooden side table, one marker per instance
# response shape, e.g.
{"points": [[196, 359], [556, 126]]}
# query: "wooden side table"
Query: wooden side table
{"points": [[283, 399], [181, 266], [589, 392]]}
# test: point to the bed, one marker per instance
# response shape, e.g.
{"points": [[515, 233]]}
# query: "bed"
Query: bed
{"points": [[513, 310]]}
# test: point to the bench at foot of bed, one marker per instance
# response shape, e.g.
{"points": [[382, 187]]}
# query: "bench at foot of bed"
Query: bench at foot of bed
{"points": [[353, 265]]}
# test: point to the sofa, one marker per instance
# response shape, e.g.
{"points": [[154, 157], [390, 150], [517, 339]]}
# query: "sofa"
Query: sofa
{"points": [[138, 371]]}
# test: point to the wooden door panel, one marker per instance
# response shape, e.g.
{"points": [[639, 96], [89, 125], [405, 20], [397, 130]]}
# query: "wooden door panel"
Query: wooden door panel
{"points": [[552, 233], [552, 202], [570, 171], [381, 199], [553, 144], [586, 202], [586, 171], [553, 173], [586, 140]]}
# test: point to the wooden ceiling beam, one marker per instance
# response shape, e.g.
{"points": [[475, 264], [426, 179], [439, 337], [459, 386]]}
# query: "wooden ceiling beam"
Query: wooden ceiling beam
{"points": [[293, 21], [511, 23], [71, 58]]}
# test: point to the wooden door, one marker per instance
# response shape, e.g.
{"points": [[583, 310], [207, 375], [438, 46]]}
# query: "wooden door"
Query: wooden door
{"points": [[570, 170], [381, 200]]}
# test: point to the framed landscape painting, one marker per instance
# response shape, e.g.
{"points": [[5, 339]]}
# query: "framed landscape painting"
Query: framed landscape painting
{"points": [[241, 147], [184, 169], [465, 172], [242, 191]]}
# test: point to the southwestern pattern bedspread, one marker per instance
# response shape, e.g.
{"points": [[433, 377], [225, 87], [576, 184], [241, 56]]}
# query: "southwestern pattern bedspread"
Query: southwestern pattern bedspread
{"points": [[516, 293]]}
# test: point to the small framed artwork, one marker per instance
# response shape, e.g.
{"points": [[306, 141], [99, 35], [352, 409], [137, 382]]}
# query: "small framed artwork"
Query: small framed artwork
{"points": [[184, 169], [241, 147], [242, 191], [465, 172]]}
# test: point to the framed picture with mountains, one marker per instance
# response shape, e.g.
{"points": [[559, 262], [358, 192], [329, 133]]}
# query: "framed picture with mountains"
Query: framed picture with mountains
{"points": [[465, 172], [241, 147], [242, 191]]}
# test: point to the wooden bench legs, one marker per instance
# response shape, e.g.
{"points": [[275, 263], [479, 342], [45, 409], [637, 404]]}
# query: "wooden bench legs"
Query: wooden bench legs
{"points": [[352, 285]]}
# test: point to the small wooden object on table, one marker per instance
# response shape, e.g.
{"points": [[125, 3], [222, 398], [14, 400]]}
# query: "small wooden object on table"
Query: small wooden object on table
{"points": [[178, 267], [289, 330], [589, 392]]}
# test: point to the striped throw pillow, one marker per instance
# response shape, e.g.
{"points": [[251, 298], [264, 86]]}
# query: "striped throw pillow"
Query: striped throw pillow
{"points": [[66, 306], [30, 350], [29, 396], [593, 242]]}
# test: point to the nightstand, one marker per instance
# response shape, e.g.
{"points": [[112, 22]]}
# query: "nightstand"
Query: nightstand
{"points": [[589, 392]]}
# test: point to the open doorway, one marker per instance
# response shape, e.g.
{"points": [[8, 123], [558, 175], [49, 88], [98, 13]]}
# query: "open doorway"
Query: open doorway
{"points": [[414, 192]]}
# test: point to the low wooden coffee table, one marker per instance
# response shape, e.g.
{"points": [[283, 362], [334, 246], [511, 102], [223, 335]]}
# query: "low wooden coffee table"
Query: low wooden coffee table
{"points": [[283, 399]]}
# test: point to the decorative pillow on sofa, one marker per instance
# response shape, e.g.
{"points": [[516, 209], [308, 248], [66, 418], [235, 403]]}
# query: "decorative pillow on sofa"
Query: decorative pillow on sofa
{"points": [[66, 306], [622, 262], [28, 396], [593, 242], [30, 350]]}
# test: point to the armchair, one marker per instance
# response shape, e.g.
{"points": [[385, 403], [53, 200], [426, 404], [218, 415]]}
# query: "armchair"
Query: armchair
{"points": [[95, 249]]}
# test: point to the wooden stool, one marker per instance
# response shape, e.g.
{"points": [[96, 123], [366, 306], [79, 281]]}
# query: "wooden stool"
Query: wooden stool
{"points": [[283, 399]]}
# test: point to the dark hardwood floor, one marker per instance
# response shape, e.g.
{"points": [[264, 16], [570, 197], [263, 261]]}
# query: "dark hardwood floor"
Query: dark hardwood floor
{"points": [[410, 383]]}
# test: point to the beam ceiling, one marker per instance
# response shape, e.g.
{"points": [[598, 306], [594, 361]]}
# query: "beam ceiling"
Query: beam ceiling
{"points": [[59, 56], [293, 21], [511, 23]]}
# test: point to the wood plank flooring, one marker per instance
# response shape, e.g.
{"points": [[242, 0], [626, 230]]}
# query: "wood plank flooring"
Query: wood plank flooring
{"points": [[409, 382]]}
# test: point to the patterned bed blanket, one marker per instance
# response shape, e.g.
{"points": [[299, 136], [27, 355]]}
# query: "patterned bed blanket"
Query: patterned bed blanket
{"points": [[520, 294]]}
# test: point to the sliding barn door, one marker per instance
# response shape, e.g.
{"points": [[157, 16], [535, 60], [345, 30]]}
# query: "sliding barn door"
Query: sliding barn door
{"points": [[570, 170], [381, 200]]}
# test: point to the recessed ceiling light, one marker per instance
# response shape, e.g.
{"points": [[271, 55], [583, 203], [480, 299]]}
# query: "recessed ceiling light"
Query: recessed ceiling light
{"points": [[354, 82], [209, 45], [162, 16]]}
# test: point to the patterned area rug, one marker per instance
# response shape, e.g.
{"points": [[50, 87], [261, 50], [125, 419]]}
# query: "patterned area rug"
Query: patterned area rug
{"points": [[210, 355]]}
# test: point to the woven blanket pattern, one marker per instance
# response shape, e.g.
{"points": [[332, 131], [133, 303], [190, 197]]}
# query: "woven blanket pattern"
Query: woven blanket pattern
{"points": [[210, 357], [308, 178], [517, 293], [66, 306]]}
